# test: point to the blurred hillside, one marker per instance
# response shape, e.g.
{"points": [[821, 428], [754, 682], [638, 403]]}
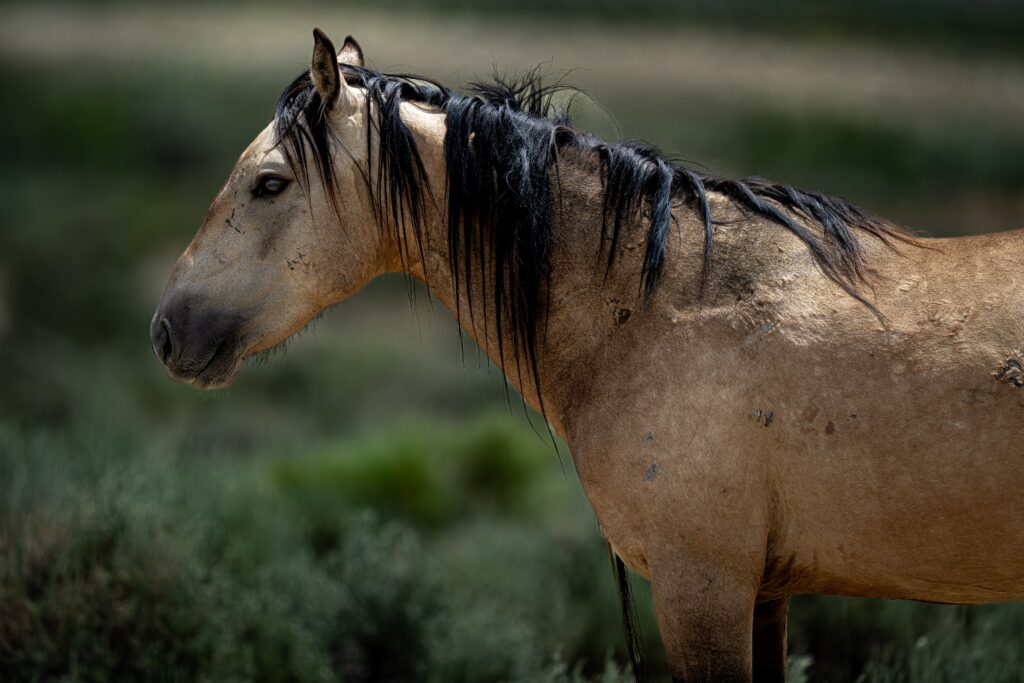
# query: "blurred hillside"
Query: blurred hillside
{"points": [[366, 507]]}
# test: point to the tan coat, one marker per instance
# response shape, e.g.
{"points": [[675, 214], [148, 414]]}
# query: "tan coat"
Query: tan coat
{"points": [[771, 437]]}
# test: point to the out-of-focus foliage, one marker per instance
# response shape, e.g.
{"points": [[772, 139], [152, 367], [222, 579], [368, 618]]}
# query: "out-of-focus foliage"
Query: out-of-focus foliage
{"points": [[124, 558], [971, 27], [365, 508], [128, 560]]}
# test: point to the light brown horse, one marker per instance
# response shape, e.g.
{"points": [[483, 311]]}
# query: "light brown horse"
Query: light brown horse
{"points": [[766, 392]]}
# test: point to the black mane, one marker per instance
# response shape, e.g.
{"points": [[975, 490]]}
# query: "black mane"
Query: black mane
{"points": [[502, 151]]}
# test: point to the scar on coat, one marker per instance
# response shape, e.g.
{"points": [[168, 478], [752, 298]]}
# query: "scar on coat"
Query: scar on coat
{"points": [[1012, 372], [234, 227], [300, 261]]}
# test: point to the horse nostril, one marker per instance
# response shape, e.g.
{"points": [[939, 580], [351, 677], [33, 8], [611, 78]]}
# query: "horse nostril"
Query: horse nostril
{"points": [[163, 344], [168, 346]]}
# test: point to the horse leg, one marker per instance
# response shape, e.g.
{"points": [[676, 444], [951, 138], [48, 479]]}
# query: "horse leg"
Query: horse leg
{"points": [[770, 640], [706, 621]]}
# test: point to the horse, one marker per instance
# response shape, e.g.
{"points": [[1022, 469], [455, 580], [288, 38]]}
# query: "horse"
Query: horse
{"points": [[766, 391]]}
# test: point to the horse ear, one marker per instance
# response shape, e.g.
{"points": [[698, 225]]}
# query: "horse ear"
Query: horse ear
{"points": [[334, 91], [351, 53]]}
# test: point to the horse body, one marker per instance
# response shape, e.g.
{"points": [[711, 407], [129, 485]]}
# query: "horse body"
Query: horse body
{"points": [[787, 441], [776, 436], [895, 469], [751, 430]]}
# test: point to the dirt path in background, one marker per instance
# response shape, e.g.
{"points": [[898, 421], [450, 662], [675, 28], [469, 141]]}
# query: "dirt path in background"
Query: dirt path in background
{"points": [[876, 81]]}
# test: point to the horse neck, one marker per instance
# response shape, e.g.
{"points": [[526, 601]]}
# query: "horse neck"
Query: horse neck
{"points": [[585, 303]]}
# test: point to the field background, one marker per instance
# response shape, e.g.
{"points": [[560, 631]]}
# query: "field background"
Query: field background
{"points": [[367, 507]]}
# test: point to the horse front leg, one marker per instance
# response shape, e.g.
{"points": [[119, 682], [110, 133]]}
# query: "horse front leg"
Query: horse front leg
{"points": [[706, 617], [770, 640]]}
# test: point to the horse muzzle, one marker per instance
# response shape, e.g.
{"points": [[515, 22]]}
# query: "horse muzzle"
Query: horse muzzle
{"points": [[197, 344]]}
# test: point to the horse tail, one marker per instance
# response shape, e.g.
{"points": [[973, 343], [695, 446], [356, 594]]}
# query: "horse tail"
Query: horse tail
{"points": [[630, 620]]}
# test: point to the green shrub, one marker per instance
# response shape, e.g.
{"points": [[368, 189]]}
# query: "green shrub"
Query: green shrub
{"points": [[124, 560], [426, 475]]}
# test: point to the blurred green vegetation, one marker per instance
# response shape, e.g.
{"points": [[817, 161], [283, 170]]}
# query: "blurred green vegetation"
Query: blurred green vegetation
{"points": [[981, 26], [366, 507], [125, 559], [437, 553]]}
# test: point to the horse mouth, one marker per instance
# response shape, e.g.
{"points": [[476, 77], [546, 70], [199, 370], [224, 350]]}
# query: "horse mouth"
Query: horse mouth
{"points": [[223, 367], [218, 371]]}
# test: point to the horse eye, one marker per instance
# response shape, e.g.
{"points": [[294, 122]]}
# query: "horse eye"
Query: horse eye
{"points": [[270, 186]]}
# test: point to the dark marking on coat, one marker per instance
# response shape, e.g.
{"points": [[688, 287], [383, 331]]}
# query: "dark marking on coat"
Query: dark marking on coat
{"points": [[234, 227], [830, 428], [764, 417], [300, 261], [1012, 373], [649, 436], [651, 472], [622, 315]]}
